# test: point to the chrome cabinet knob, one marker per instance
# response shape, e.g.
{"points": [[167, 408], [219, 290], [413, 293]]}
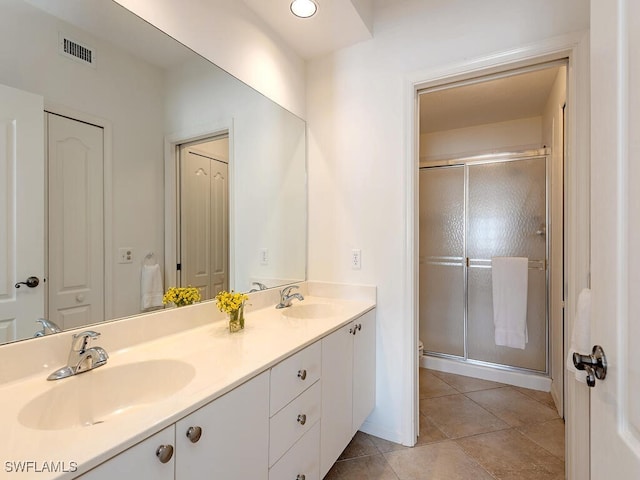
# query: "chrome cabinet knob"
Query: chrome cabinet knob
{"points": [[301, 477], [194, 434], [359, 326], [302, 419], [302, 374], [164, 453]]}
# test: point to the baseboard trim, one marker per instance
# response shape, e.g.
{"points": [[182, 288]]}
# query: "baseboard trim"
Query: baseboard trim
{"points": [[518, 379]]}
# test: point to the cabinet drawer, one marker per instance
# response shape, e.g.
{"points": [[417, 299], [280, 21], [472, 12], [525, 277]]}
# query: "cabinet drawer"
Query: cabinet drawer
{"points": [[293, 376], [293, 421], [302, 459]]}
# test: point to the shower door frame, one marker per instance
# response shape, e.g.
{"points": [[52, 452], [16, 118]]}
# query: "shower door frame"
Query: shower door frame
{"points": [[493, 158]]}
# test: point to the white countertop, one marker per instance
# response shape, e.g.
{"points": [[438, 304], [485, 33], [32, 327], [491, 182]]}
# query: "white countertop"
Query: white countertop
{"points": [[221, 360]]}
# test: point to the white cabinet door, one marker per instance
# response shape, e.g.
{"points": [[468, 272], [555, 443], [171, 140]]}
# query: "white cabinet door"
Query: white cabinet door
{"points": [[234, 440], [140, 461], [364, 368], [337, 395]]}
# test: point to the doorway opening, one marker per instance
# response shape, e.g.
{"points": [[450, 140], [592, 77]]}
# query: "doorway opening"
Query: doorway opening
{"points": [[203, 215], [491, 184]]}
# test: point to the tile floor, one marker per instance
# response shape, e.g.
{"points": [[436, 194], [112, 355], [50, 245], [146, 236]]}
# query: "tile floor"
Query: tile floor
{"points": [[469, 429]]}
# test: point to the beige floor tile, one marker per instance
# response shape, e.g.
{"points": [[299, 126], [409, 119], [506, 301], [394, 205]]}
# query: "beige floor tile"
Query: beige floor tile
{"points": [[457, 416], [465, 384], [429, 433], [373, 467], [512, 406], [509, 455], [361, 445], [542, 397], [549, 435], [438, 461], [431, 386]]}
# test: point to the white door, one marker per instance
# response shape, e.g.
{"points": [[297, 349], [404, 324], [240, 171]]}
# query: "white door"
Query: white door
{"points": [[21, 212], [204, 222], [76, 246], [615, 236]]}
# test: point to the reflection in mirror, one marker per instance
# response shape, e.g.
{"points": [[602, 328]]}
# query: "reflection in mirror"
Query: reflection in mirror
{"points": [[96, 187]]}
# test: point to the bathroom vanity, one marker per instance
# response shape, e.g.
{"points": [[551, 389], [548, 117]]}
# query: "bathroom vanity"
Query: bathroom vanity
{"points": [[279, 400]]}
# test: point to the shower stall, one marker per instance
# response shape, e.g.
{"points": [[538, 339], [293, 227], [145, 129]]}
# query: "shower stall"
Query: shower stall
{"points": [[473, 209]]}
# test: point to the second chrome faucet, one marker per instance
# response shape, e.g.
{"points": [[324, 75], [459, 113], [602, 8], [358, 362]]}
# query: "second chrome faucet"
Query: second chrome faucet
{"points": [[286, 296], [81, 358]]}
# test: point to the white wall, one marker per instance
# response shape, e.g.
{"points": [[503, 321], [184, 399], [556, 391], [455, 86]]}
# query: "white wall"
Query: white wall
{"points": [[267, 165], [232, 36], [511, 135], [31, 62], [356, 113]]}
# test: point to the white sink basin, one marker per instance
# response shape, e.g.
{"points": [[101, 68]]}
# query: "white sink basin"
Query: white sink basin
{"points": [[104, 393], [311, 310]]}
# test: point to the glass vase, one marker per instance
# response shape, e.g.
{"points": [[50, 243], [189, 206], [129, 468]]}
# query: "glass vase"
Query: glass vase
{"points": [[236, 320]]}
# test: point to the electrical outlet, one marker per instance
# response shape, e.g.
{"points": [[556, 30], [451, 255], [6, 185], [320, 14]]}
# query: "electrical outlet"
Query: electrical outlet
{"points": [[264, 256], [125, 255], [356, 259]]}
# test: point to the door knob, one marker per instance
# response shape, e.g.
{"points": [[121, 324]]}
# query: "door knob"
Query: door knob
{"points": [[594, 364], [31, 282]]}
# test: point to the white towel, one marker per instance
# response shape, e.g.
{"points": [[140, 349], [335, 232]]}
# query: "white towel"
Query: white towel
{"points": [[510, 279], [581, 333], [151, 291]]}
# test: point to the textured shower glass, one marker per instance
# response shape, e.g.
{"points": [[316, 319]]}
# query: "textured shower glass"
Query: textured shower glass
{"points": [[507, 206], [442, 259], [480, 330], [506, 213]]}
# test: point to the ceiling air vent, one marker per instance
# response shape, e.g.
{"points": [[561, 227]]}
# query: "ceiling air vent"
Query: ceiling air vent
{"points": [[76, 51]]}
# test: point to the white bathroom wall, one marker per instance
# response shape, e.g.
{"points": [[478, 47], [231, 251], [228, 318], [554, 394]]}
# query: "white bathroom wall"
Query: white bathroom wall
{"points": [[231, 35], [136, 116], [267, 146], [491, 137], [553, 137], [356, 113]]}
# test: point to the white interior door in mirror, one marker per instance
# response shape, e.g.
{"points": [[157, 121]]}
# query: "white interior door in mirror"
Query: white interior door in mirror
{"points": [[21, 212], [76, 201], [204, 219]]}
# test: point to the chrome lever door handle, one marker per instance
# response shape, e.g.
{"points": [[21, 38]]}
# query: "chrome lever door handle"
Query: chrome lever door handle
{"points": [[594, 364], [31, 282]]}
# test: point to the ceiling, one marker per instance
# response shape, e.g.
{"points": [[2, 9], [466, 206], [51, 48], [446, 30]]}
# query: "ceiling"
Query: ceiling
{"points": [[337, 24], [500, 100]]}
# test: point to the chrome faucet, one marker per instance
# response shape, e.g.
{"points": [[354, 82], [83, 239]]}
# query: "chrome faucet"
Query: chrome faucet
{"points": [[286, 296], [261, 286], [48, 327], [81, 358]]}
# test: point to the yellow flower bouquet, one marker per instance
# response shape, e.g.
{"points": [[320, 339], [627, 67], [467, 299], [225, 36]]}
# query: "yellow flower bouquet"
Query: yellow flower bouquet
{"points": [[181, 296], [232, 303]]}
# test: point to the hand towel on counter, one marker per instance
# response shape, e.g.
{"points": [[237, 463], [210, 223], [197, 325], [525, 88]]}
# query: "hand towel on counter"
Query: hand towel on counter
{"points": [[151, 291], [581, 333], [510, 281]]}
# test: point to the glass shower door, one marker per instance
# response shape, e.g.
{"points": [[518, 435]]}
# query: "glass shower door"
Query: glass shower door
{"points": [[507, 216], [442, 260]]}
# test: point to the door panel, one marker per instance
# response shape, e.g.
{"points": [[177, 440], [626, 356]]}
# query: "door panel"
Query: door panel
{"points": [[204, 222], [21, 212], [615, 236], [76, 246]]}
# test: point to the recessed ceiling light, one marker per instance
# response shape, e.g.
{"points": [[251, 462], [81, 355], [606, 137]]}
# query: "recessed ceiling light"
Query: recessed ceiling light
{"points": [[303, 8]]}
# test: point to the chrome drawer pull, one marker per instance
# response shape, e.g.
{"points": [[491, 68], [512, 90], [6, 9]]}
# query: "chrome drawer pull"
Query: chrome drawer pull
{"points": [[302, 419], [302, 374], [164, 453], [194, 434]]}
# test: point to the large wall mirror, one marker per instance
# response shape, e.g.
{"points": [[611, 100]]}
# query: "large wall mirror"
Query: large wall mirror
{"points": [[121, 149]]}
